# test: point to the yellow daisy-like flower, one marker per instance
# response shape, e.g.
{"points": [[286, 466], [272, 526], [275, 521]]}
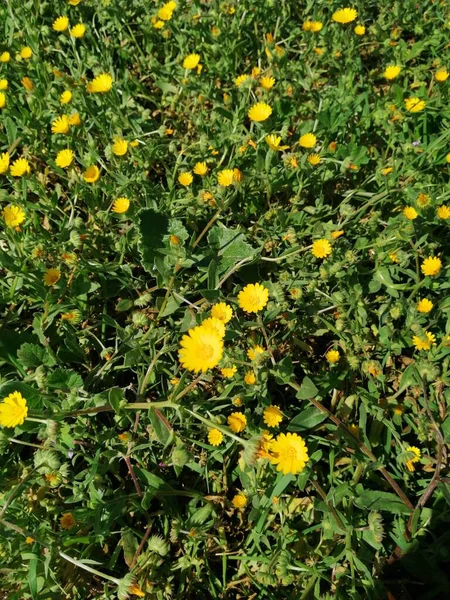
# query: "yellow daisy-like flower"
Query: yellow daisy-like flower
{"points": [[237, 402], [78, 30], [225, 177], [441, 75], [61, 125], [64, 158], [241, 79], [120, 146], [425, 342], [250, 378], [3, 85], [290, 453], [165, 13], [431, 266], [274, 141], [65, 97], [423, 200], [414, 104], [216, 324], [26, 52], [272, 416], [253, 297], [228, 372], [157, 23], [74, 2], [237, 422], [73, 316], [424, 305], [185, 178], [333, 356], [29, 540], [392, 72], [67, 521], [121, 205], [4, 162], [136, 590], [201, 349], [5, 57], [191, 61], [360, 30], [313, 26], [344, 15], [410, 213], [13, 410], [386, 171], [91, 174], [267, 82], [222, 311], [308, 140], [239, 501], [443, 212], [238, 176], [19, 167], [215, 437], [52, 276], [74, 119], [447, 158], [259, 112], [101, 84], [314, 160], [13, 215], [61, 24], [336, 234], [2, 100], [255, 352], [200, 168], [414, 457], [321, 248]]}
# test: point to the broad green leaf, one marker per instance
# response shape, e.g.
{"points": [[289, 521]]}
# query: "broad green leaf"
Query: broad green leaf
{"points": [[307, 390], [229, 246], [64, 379], [307, 419], [377, 500]]}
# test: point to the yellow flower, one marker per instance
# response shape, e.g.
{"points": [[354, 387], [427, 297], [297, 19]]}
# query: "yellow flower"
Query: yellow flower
{"points": [[443, 212], [74, 119], [66, 97], [254, 352], [77, 31], [272, 416], [67, 521], [216, 324], [200, 168], [425, 342], [255, 72], [414, 104], [4, 162], [29, 540], [13, 410], [414, 457], [431, 266], [238, 176], [61, 24], [308, 140], [424, 305], [392, 72], [237, 402], [423, 200], [441, 75], [5, 57], [241, 79], [239, 501], [191, 61], [19, 167], [344, 15], [290, 453], [336, 234], [51, 276], [101, 84], [201, 349], [185, 178], [229, 372], [157, 23], [74, 2], [321, 248], [273, 141], [120, 146], [121, 205], [410, 213], [314, 159], [237, 422], [2, 100], [136, 591], [222, 311], [3, 84], [165, 13], [64, 158], [250, 378], [259, 112], [13, 215], [26, 52], [332, 356], [91, 174], [215, 437], [267, 82], [386, 170], [447, 158], [253, 297], [360, 30], [313, 26], [74, 316], [225, 177], [61, 125]]}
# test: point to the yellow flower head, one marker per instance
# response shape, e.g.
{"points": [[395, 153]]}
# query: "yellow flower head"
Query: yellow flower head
{"points": [[91, 174], [26, 53], [267, 82], [386, 171], [3, 85], [255, 352], [101, 84], [410, 213], [337, 234], [424, 305], [2, 100], [238, 176], [4, 162], [424, 342], [259, 112], [344, 15], [13, 410], [157, 23], [237, 422], [253, 297], [185, 178], [290, 453], [441, 75], [61, 24], [121, 205], [66, 97], [200, 168], [332, 356], [321, 248], [250, 378], [222, 311], [61, 125], [443, 212], [201, 349], [191, 61], [74, 2], [241, 79], [19, 167], [225, 177], [360, 30], [274, 141], [314, 159], [77, 31], [51, 276], [13, 215], [136, 590], [239, 501], [423, 200], [73, 316], [215, 437], [392, 72], [431, 266], [414, 457], [272, 416], [120, 146], [228, 372], [74, 119], [165, 13], [393, 256], [313, 26], [216, 324], [308, 140], [64, 158], [5, 57], [67, 521], [414, 104]]}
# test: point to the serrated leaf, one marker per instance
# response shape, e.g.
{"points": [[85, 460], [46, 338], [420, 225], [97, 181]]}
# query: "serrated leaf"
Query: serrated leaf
{"points": [[229, 246], [153, 226], [64, 379], [32, 356], [377, 500]]}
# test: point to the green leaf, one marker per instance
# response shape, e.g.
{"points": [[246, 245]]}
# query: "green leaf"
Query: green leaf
{"points": [[153, 226], [160, 425], [64, 379], [32, 356], [377, 500], [129, 545], [307, 390], [307, 419], [229, 246], [32, 577]]}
